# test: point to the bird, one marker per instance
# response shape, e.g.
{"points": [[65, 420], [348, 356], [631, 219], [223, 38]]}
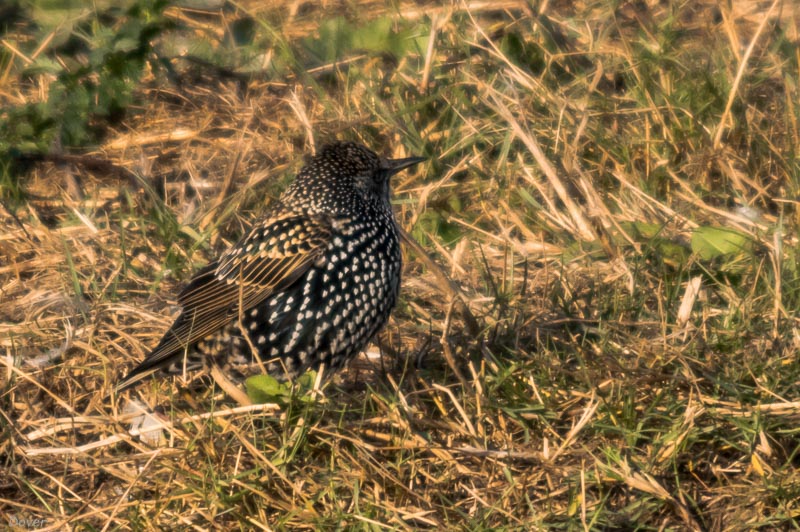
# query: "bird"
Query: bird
{"points": [[310, 284]]}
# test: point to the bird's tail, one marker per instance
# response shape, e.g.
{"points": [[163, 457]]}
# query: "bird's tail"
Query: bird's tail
{"points": [[161, 358], [134, 376]]}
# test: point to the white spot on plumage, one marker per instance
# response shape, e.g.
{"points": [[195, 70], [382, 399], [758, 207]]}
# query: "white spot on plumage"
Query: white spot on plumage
{"points": [[292, 342]]}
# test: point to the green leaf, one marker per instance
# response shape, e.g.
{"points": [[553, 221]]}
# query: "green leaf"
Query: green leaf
{"points": [[379, 36], [43, 65], [712, 242], [642, 229], [266, 389], [670, 252], [306, 381], [525, 195], [337, 38], [334, 42], [581, 249], [126, 44]]}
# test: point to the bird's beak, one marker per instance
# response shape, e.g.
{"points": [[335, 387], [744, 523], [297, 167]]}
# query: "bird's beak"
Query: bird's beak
{"points": [[393, 166]]}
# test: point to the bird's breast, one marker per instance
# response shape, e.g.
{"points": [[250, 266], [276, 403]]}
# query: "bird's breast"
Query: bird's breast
{"points": [[332, 311]]}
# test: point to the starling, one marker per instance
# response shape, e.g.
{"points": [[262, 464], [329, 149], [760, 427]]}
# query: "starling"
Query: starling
{"points": [[310, 284]]}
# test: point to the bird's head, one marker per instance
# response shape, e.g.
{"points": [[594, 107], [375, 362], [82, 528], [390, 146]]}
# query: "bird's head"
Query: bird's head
{"points": [[351, 164]]}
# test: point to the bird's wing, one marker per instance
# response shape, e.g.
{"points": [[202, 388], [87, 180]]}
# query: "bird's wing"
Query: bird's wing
{"points": [[273, 255]]}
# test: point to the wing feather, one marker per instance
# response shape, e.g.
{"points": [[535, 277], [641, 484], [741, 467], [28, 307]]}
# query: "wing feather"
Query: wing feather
{"points": [[273, 256]]}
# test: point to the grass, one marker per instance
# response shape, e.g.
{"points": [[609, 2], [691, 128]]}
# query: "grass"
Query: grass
{"points": [[599, 328]]}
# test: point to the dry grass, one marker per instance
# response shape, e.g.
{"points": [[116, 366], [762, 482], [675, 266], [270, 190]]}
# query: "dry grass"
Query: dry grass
{"points": [[561, 358]]}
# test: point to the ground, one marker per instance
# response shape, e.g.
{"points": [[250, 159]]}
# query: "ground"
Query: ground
{"points": [[598, 325]]}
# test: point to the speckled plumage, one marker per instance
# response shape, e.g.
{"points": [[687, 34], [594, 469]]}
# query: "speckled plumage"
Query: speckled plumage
{"points": [[310, 284]]}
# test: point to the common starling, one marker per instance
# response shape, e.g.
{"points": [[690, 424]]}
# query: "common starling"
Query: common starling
{"points": [[310, 284]]}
